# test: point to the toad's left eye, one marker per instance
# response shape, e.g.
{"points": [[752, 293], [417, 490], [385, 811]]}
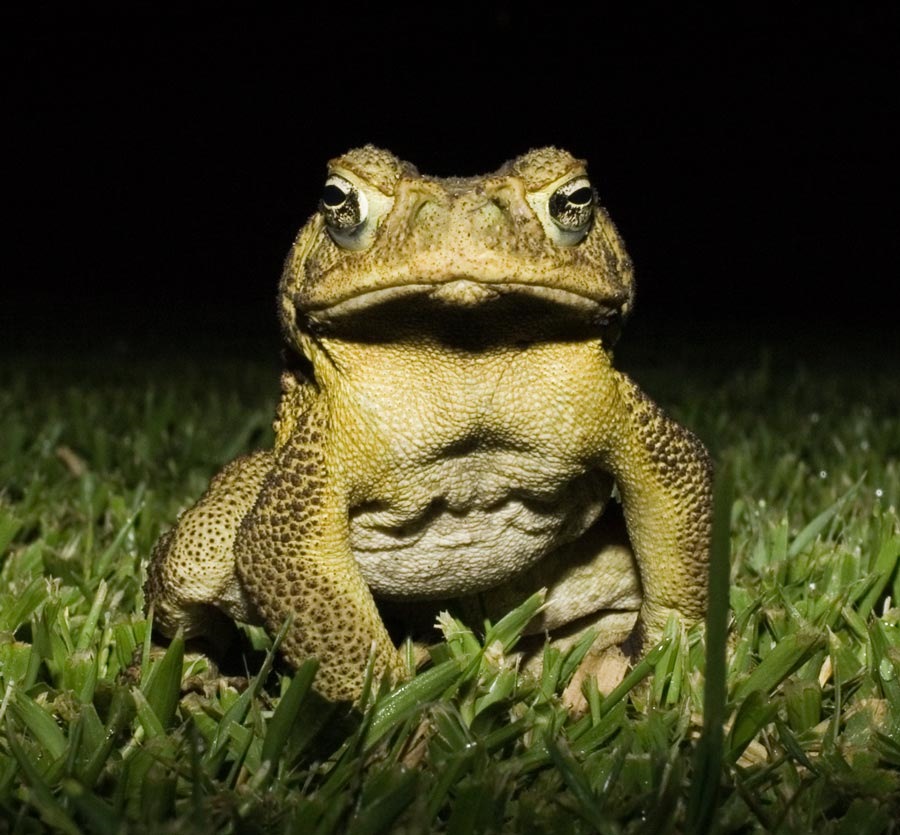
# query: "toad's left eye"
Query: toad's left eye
{"points": [[352, 210], [343, 205], [571, 206]]}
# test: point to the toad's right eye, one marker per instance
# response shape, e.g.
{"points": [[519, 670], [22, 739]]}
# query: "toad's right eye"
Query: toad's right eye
{"points": [[343, 206]]}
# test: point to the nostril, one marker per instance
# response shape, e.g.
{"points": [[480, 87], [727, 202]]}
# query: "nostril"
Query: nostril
{"points": [[488, 205], [423, 213], [489, 215]]}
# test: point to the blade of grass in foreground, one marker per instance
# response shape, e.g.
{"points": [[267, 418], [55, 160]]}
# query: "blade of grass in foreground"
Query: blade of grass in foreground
{"points": [[163, 685], [401, 702], [703, 799], [790, 653], [234, 716], [283, 719], [589, 805], [40, 724], [42, 796]]}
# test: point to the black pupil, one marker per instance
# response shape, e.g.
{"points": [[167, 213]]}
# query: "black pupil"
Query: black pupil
{"points": [[581, 196], [333, 196]]}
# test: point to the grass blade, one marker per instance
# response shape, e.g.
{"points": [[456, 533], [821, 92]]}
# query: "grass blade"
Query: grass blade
{"points": [[101, 816], [10, 525], [754, 713], [40, 724], [86, 636], [588, 805], [790, 653], [884, 568], [282, 721], [509, 628], [163, 686], [817, 525], [641, 670], [45, 802], [707, 769], [391, 796], [405, 700]]}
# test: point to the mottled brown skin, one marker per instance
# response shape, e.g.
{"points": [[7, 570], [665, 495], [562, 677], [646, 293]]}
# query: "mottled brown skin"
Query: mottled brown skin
{"points": [[450, 428]]}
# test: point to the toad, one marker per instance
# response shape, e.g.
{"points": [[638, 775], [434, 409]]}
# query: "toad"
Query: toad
{"points": [[451, 428]]}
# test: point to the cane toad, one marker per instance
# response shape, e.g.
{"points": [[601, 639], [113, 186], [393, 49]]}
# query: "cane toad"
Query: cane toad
{"points": [[451, 427]]}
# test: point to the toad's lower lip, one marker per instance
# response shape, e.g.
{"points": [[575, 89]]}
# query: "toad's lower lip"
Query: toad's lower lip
{"points": [[462, 293]]}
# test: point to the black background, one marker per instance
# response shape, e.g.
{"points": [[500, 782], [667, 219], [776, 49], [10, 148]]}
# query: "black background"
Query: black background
{"points": [[160, 164]]}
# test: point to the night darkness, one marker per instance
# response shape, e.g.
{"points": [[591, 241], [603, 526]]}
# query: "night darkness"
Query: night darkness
{"points": [[161, 164]]}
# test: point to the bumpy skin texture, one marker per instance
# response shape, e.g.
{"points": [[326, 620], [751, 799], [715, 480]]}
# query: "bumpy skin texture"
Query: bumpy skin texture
{"points": [[450, 428]]}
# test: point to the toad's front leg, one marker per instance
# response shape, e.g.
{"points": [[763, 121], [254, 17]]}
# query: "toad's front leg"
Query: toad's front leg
{"points": [[664, 476], [293, 558]]}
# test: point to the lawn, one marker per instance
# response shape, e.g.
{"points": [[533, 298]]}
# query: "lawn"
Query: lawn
{"points": [[103, 730]]}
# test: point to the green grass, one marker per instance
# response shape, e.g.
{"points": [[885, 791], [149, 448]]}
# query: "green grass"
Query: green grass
{"points": [[100, 731]]}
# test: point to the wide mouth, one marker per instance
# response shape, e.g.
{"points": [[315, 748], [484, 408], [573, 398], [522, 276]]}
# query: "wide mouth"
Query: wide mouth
{"points": [[467, 294]]}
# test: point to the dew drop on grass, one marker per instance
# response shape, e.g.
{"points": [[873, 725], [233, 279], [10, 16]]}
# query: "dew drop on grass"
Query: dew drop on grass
{"points": [[823, 473], [878, 492], [886, 670]]}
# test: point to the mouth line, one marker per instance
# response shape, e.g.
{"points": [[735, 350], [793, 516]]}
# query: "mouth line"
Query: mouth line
{"points": [[464, 292]]}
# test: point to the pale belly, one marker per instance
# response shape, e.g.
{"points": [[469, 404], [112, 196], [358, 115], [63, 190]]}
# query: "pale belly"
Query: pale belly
{"points": [[475, 523], [467, 467]]}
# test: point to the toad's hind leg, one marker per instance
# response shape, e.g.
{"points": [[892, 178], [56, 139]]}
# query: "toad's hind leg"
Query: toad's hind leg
{"points": [[191, 579]]}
